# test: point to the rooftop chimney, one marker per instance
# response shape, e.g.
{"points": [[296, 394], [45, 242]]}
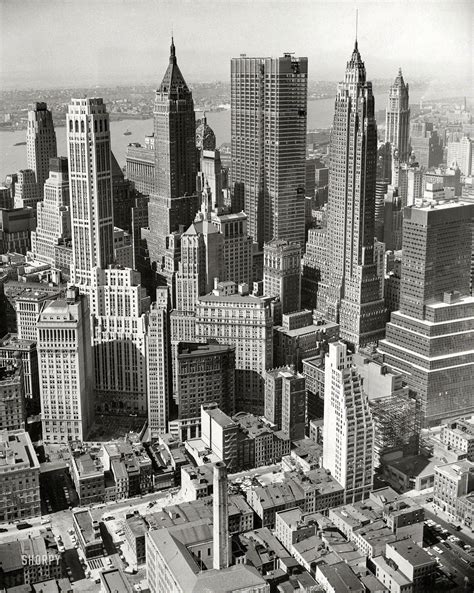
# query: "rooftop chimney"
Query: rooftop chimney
{"points": [[220, 518]]}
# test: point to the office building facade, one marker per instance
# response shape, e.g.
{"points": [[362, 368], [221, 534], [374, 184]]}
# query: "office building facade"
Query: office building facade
{"points": [[174, 200], [349, 291], [53, 217], [90, 183], [40, 143], [348, 427], [65, 359], [282, 273], [268, 130], [397, 118], [429, 340]]}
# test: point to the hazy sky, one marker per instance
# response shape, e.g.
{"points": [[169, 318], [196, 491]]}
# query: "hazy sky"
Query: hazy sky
{"points": [[73, 42]]}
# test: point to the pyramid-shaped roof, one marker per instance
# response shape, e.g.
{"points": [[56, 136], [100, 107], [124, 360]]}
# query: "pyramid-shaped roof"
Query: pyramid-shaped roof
{"points": [[173, 82]]}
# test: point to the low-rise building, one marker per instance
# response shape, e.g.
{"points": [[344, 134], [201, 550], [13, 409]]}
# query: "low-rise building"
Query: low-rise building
{"points": [[88, 533], [391, 577], [415, 472], [259, 443], [114, 581], [459, 435], [88, 477], [412, 561], [452, 481], [196, 482], [29, 561], [19, 477], [135, 530], [290, 527], [338, 578], [40, 558], [321, 490], [240, 514], [179, 560], [266, 501]]}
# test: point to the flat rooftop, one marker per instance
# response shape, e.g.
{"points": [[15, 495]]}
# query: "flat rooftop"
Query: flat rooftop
{"points": [[84, 521], [114, 581], [16, 452], [413, 553], [395, 575], [341, 578]]}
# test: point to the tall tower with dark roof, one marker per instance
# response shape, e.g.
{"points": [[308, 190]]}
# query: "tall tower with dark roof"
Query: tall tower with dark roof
{"points": [[349, 292], [171, 204], [175, 134], [397, 119]]}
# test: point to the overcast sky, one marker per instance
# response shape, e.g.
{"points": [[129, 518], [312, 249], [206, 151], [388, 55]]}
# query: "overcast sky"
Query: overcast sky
{"points": [[73, 42]]}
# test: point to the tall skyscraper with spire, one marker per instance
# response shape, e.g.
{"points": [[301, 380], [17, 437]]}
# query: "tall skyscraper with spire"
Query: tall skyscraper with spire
{"points": [[397, 118], [40, 142], [90, 183], [174, 201], [268, 129], [349, 292]]}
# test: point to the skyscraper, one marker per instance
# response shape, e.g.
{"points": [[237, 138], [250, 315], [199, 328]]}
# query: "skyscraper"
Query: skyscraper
{"points": [[426, 144], [428, 340], [348, 426], [174, 200], [159, 364], [119, 307], [90, 182], [268, 129], [282, 273], [40, 142], [350, 289], [26, 190], [65, 357], [397, 118], [53, 215]]}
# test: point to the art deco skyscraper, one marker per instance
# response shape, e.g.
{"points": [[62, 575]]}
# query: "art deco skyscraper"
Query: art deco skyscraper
{"points": [[117, 300], [40, 142], [90, 183], [397, 119], [348, 425], [268, 129], [175, 160], [349, 292], [52, 214]]}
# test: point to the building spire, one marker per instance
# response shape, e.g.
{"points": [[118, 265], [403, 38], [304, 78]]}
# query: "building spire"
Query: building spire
{"points": [[172, 51], [357, 25]]}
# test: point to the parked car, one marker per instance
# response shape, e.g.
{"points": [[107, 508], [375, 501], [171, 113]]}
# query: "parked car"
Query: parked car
{"points": [[3, 529], [437, 550], [24, 525]]}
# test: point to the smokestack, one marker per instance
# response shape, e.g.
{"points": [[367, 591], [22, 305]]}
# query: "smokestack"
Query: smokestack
{"points": [[220, 517]]}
